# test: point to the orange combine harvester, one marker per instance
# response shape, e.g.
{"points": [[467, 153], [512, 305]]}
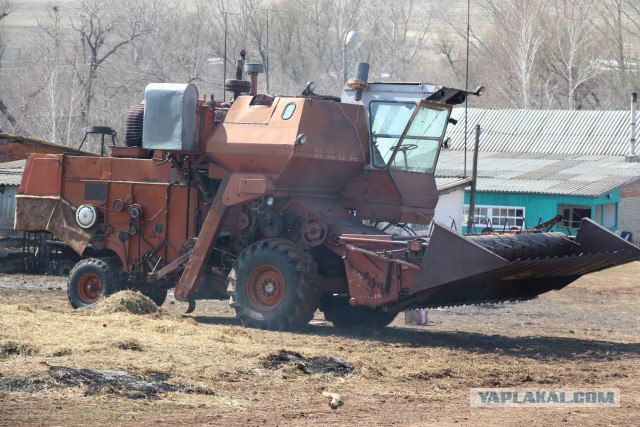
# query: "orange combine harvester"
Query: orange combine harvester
{"points": [[273, 201]]}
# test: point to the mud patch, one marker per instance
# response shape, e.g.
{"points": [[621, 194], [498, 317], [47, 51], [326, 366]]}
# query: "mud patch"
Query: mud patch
{"points": [[95, 381], [308, 365], [125, 302]]}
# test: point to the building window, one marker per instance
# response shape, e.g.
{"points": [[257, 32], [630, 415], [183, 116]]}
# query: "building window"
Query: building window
{"points": [[572, 215], [497, 216]]}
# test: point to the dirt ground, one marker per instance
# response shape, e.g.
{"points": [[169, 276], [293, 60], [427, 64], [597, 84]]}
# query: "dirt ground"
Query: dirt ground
{"points": [[586, 335]]}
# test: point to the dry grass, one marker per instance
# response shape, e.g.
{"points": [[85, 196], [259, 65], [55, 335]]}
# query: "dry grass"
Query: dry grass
{"points": [[408, 375], [124, 302]]}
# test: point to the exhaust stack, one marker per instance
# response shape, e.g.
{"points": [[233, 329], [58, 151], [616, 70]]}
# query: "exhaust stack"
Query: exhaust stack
{"points": [[253, 70]]}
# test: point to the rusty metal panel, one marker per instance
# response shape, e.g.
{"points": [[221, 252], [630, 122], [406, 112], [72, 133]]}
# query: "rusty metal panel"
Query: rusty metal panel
{"points": [[334, 152], [140, 170], [94, 168], [211, 227], [244, 187], [42, 176], [54, 215], [243, 112], [16, 147], [441, 265], [594, 238]]}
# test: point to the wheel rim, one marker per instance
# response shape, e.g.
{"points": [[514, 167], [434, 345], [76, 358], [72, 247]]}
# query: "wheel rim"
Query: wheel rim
{"points": [[265, 287], [90, 288]]}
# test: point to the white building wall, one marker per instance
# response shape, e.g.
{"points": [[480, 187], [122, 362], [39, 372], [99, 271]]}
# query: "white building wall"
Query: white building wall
{"points": [[450, 207], [609, 218]]}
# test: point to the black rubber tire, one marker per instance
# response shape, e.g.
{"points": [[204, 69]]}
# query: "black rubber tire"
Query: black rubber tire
{"points": [[338, 311], [133, 126], [84, 276], [64, 267], [158, 296], [295, 300]]}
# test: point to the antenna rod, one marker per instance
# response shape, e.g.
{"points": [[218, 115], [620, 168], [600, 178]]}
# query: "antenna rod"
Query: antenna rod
{"points": [[466, 87], [224, 72]]}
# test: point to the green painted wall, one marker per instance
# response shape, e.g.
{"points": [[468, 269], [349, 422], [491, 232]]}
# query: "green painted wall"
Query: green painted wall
{"points": [[546, 205]]}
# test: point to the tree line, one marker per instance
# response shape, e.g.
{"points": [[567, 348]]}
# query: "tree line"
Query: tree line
{"points": [[88, 61]]}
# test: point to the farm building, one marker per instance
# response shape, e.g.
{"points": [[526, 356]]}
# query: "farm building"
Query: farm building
{"points": [[536, 164], [10, 175]]}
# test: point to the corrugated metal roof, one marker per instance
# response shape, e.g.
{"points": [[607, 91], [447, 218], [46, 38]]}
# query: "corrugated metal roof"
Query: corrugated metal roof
{"points": [[548, 174], [11, 172], [576, 132]]}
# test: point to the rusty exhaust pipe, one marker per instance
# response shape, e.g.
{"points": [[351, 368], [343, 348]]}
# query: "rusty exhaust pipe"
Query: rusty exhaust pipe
{"points": [[253, 70]]}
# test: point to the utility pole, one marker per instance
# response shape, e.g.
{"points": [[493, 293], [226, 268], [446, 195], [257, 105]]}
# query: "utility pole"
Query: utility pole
{"points": [[224, 70], [266, 56], [224, 67], [474, 179]]}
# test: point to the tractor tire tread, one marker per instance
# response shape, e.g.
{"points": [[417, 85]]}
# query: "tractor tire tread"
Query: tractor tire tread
{"points": [[103, 267], [301, 308]]}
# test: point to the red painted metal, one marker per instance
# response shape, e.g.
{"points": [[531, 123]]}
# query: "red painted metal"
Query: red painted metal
{"points": [[90, 288], [202, 249], [266, 287]]}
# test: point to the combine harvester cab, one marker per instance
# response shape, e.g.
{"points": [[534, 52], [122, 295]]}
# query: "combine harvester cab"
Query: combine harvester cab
{"points": [[273, 202]]}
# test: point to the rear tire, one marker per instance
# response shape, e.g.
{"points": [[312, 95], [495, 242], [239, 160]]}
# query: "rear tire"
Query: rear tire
{"points": [[89, 281], [274, 285], [64, 267], [338, 311]]}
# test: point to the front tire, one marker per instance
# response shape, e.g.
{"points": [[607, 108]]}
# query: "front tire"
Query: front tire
{"points": [[274, 285], [89, 281]]}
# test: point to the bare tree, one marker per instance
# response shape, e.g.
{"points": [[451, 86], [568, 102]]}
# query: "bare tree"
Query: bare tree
{"points": [[7, 7], [515, 45], [632, 12], [400, 33], [56, 82], [105, 27], [573, 53]]}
